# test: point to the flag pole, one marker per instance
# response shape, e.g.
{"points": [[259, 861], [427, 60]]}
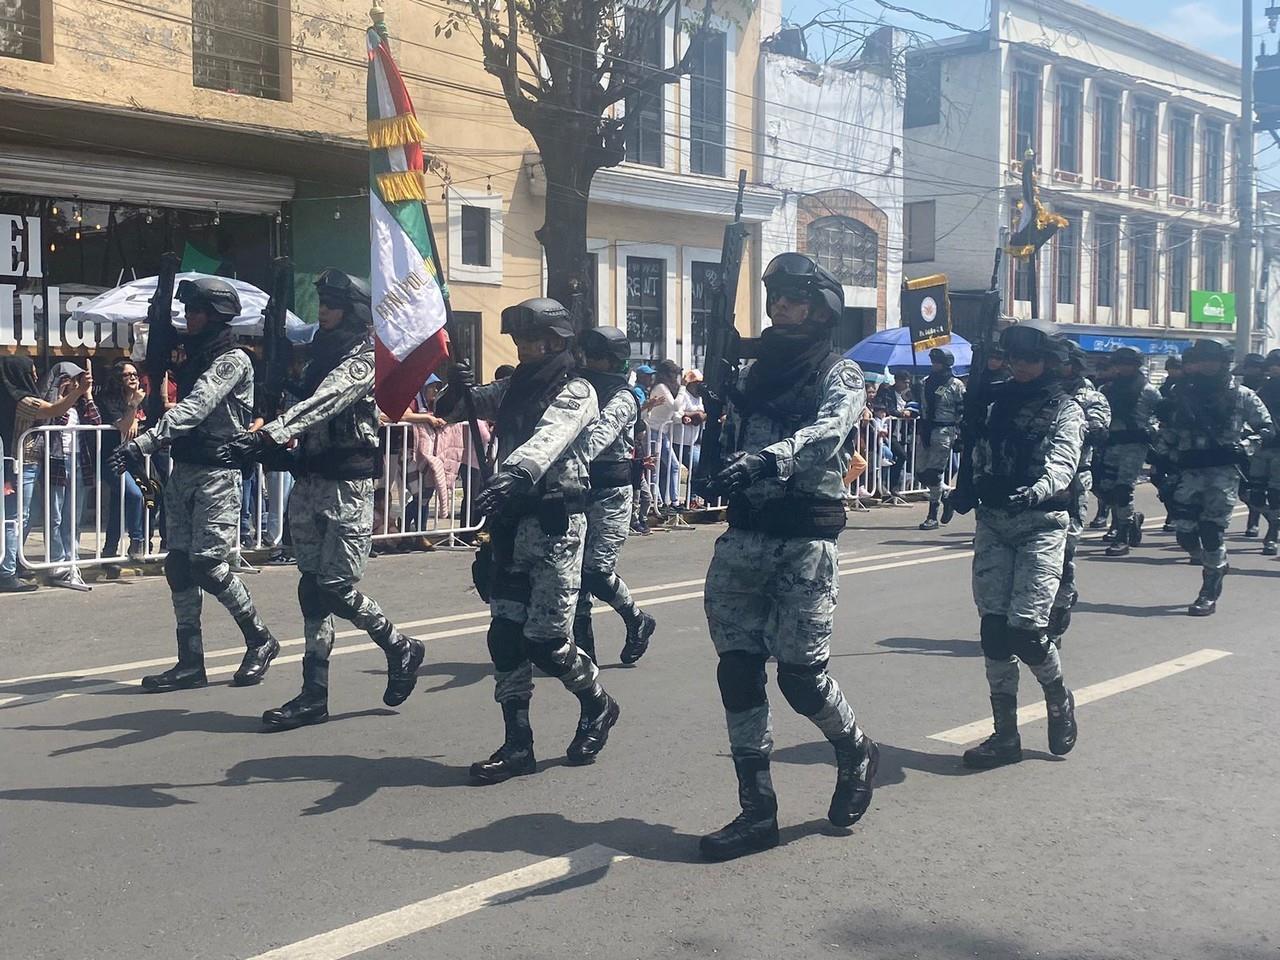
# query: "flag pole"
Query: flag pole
{"points": [[1030, 158]]}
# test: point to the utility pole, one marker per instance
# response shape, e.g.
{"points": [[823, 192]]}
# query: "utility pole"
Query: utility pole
{"points": [[1243, 283]]}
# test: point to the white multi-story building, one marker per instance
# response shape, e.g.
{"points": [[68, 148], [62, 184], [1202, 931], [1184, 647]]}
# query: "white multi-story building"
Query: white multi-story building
{"points": [[1135, 140]]}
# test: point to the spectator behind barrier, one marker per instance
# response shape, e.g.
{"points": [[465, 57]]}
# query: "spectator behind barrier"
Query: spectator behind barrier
{"points": [[120, 402]]}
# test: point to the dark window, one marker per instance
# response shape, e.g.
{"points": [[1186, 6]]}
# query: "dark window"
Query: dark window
{"points": [[475, 236], [1107, 117], [643, 111], [1022, 279], [1070, 107], [707, 93], [1181, 142], [846, 247], [235, 46], [464, 337], [1211, 263], [706, 278], [1106, 256], [1144, 145], [1026, 111], [1213, 153], [924, 92], [1179, 244], [646, 306], [1067, 259], [1142, 256], [920, 228], [20, 29]]}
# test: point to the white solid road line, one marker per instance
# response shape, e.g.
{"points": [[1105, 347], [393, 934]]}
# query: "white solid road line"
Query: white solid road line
{"points": [[980, 729], [425, 914]]}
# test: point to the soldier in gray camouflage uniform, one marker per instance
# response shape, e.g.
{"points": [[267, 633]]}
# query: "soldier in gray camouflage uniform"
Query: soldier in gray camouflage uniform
{"points": [[1202, 427], [331, 506], [530, 571], [1133, 420], [608, 446], [1097, 421], [1024, 462], [1264, 465], [939, 426], [771, 588], [201, 496]]}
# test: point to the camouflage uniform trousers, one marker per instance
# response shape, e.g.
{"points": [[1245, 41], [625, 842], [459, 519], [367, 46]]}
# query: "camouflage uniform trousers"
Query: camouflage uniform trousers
{"points": [[331, 525], [1121, 466], [1200, 504], [935, 458], [770, 596], [1067, 594], [608, 524], [533, 599], [1017, 566], [1264, 478], [202, 524]]}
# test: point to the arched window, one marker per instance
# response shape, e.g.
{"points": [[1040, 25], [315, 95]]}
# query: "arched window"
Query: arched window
{"points": [[848, 248]]}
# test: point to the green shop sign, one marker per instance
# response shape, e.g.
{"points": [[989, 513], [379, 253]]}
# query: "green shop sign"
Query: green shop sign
{"points": [[1210, 307]]}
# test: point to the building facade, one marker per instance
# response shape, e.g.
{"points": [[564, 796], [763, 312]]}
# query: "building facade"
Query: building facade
{"points": [[1135, 138]]}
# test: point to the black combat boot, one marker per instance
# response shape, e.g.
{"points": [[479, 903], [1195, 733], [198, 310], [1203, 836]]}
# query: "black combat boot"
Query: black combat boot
{"points": [[756, 827], [1251, 525], [260, 649], [188, 673], [1100, 518], [1210, 590], [515, 757], [1269, 544], [1059, 623], [1004, 746], [948, 510], [1135, 528], [856, 765], [1120, 539], [1168, 526], [308, 707], [639, 630], [1061, 704], [599, 714], [584, 636], [404, 657], [931, 521]]}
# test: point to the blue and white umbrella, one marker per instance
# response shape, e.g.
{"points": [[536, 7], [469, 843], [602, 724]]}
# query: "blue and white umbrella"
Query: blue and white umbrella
{"points": [[886, 352]]}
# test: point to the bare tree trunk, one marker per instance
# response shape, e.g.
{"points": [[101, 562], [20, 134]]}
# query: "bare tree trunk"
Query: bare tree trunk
{"points": [[563, 235]]}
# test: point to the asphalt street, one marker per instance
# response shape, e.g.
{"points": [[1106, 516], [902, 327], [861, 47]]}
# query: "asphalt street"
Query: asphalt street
{"points": [[172, 826]]}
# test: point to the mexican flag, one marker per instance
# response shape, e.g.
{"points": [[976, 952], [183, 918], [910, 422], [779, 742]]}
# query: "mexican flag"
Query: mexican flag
{"points": [[410, 303]]}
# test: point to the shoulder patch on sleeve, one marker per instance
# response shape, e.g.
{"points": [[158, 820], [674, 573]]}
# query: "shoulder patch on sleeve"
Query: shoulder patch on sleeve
{"points": [[576, 389], [225, 369], [848, 374], [359, 368]]}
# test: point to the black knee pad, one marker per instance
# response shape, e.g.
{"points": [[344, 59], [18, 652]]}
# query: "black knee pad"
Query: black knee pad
{"points": [[995, 642], [210, 574], [602, 585], [742, 680], [804, 686], [177, 570], [311, 598], [506, 644], [1029, 644], [555, 658], [1211, 536], [1188, 540]]}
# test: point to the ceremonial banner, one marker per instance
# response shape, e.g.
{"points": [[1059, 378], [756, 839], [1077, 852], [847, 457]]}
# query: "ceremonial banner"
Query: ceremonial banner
{"points": [[927, 311], [410, 305], [1036, 223]]}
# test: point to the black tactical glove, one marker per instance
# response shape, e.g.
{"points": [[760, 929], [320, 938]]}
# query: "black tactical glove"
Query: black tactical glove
{"points": [[461, 375], [744, 470], [1024, 498], [244, 449], [501, 488], [126, 457]]}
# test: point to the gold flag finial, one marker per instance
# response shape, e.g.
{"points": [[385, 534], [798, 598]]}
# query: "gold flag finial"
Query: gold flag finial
{"points": [[377, 14]]}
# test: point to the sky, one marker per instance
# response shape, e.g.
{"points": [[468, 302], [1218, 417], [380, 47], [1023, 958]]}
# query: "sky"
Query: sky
{"points": [[1212, 25]]}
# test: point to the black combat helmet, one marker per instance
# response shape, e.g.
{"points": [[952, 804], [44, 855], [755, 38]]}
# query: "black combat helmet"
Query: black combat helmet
{"points": [[537, 317], [1273, 358], [944, 357], [213, 295], [1207, 351], [798, 277], [1076, 356], [608, 342], [1173, 363], [1252, 363], [1126, 357], [1034, 339], [348, 291]]}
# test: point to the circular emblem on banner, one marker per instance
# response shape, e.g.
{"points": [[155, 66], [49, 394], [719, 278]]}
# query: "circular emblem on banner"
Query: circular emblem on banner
{"points": [[929, 309]]}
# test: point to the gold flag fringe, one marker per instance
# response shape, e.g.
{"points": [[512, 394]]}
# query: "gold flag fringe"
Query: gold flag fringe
{"points": [[395, 131], [401, 185]]}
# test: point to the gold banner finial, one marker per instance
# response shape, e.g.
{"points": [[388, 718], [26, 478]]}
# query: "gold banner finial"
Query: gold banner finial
{"points": [[377, 14]]}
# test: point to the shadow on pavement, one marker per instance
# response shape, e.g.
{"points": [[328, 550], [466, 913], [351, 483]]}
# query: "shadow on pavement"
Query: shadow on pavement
{"points": [[1132, 610], [148, 725], [895, 761], [458, 674], [136, 795], [926, 647]]}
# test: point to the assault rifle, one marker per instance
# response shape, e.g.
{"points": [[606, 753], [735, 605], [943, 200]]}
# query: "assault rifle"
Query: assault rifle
{"points": [[162, 338], [277, 351], [724, 349], [964, 498]]}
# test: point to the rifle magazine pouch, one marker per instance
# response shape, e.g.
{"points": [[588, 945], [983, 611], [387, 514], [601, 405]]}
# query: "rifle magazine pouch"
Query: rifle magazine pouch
{"points": [[482, 570], [553, 515]]}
